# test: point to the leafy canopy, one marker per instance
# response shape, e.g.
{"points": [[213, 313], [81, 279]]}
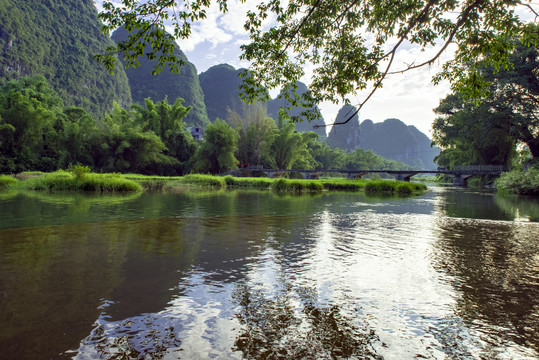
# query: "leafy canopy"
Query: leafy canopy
{"points": [[351, 44]]}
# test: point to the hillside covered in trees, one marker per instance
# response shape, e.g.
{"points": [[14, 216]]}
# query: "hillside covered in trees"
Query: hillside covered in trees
{"points": [[57, 39]]}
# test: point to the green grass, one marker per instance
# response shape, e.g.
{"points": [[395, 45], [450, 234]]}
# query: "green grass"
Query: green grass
{"points": [[519, 182], [340, 184], [66, 181], [7, 181], [394, 187]]}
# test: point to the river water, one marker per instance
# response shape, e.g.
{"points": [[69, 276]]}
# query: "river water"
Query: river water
{"points": [[451, 274]]}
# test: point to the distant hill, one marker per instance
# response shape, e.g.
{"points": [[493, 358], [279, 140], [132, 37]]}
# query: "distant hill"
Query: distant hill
{"points": [[391, 139], [220, 84], [275, 104], [184, 85], [58, 39]]}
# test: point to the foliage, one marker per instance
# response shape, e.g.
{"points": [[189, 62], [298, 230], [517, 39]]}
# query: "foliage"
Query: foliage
{"points": [[350, 44], [36, 39], [29, 116], [289, 148], [7, 181], [519, 182], [167, 121], [216, 153], [256, 132], [488, 133], [470, 134], [79, 171]]}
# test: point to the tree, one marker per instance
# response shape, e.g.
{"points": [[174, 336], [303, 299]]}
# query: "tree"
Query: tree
{"points": [[351, 44], [257, 133], [29, 125], [472, 134], [216, 153], [166, 121], [487, 133], [289, 148]]}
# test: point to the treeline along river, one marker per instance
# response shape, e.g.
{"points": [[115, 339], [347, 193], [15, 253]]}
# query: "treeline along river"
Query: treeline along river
{"points": [[451, 274]]}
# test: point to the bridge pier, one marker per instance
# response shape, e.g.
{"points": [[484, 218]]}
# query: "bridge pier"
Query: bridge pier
{"points": [[461, 180], [405, 177]]}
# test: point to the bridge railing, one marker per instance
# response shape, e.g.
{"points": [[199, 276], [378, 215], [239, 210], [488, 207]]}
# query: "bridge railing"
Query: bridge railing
{"points": [[479, 168]]}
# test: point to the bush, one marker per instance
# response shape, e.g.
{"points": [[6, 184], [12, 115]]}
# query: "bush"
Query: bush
{"points": [[78, 170], [519, 182]]}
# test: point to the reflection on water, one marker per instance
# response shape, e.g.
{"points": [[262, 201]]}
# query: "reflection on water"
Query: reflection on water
{"points": [[450, 274]]}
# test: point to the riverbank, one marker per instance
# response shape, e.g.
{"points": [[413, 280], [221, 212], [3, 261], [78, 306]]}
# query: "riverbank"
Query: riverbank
{"points": [[85, 181]]}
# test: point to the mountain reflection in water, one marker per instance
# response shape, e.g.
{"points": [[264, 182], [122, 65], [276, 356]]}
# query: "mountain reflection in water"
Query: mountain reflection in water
{"points": [[450, 274]]}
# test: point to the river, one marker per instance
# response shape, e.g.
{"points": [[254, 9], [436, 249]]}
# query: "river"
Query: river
{"points": [[451, 274]]}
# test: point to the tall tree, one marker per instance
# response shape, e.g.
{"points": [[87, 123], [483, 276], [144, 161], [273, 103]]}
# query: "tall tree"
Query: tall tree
{"points": [[167, 121], [29, 124], [488, 132], [256, 132], [289, 148], [351, 44]]}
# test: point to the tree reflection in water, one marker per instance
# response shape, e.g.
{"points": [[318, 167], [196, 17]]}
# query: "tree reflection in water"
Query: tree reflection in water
{"points": [[294, 326], [494, 266]]}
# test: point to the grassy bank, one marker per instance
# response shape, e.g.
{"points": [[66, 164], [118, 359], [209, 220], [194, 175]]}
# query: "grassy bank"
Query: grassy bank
{"points": [[519, 182], [87, 181], [68, 181], [7, 181]]}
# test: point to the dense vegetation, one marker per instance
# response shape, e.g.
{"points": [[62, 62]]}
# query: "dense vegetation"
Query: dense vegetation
{"points": [[503, 129], [57, 39], [38, 132]]}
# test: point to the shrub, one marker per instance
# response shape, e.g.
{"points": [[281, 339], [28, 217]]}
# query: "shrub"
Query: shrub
{"points": [[519, 182], [78, 170]]}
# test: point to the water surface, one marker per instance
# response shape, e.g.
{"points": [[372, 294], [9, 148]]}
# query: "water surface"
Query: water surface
{"points": [[452, 274]]}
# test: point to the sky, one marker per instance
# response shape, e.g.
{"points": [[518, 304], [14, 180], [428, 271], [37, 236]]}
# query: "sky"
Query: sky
{"points": [[410, 97]]}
